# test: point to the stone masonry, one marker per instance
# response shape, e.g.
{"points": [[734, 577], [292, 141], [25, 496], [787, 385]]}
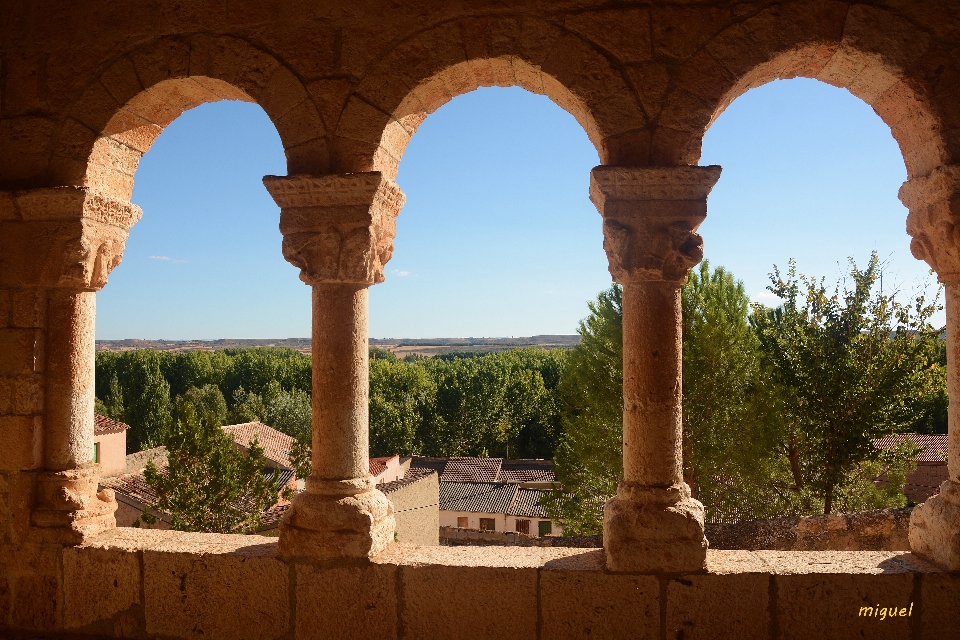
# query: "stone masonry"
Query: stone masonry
{"points": [[85, 89]]}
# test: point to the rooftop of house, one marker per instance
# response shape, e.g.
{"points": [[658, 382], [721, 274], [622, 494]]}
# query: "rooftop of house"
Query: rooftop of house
{"points": [[464, 469], [381, 464], [102, 425], [276, 445], [493, 497], [933, 446], [412, 476], [476, 497]]}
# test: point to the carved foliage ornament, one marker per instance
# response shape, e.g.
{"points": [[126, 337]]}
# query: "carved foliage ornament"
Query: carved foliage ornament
{"points": [[650, 218], [934, 220], [69, 237], [337, 228]]}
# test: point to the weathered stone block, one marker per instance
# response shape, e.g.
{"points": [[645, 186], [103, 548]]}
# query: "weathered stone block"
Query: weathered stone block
{"points": [[939, 593], [346, 602], [24, 438], [27, 395], [200, 588], [36, 603], [98, 583], [6, 307], [17, 351], [838, 594], [730, 601], [577, 599], [29, 307], [463, 592]]}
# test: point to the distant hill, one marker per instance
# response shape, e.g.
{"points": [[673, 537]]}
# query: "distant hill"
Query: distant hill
{"points": [[400, 346]]}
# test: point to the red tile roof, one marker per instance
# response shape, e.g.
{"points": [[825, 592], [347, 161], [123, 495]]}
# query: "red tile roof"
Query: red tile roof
{"points": [[379, 465], [276, 445], [102, 425], [133, 485], [933, 446]]}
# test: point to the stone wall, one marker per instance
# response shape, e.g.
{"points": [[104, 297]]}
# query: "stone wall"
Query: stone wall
{"points": [[137, 461], [878, 530], [416, 509], [153, 584]]}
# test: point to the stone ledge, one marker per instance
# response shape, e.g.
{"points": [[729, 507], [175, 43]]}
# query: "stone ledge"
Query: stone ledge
{"points": [[158, 583]]}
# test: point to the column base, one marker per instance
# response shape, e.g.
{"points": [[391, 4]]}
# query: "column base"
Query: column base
{"points": [[935, 527], [69, 509], [653, 529], [337, 519]]}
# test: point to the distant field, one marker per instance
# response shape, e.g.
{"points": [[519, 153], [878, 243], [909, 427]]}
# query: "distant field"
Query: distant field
{"points": [[399, 346]]}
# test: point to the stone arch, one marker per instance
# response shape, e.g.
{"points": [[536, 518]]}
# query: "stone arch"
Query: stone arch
{"points": [[869, 51], [424, 72], [119, 115]]}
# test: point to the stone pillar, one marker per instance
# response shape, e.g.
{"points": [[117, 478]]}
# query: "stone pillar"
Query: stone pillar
{"points": [[650, 218], [338, 230], [934, 224], [57, 247]]}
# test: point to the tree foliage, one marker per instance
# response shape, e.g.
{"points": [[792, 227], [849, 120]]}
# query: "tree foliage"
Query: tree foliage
{"points": [[856, 366], [779, 407], [589, 459], [209, 484]]}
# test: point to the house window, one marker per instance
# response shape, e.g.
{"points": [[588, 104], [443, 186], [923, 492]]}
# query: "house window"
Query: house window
{"points": [[488, 524], [523, 526], [462, 523], [546, 528], [96, 452]]}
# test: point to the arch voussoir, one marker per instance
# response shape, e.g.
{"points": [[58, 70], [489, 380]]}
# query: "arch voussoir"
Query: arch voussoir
{"points": [[436, 65]]}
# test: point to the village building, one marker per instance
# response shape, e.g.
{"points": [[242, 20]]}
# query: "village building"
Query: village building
{"points": [[493, 494], [495, 506], [931, 471], [387, 469], [134, 494], [110, 445]]}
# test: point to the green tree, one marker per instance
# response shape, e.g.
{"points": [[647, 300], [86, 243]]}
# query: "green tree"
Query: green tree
{"points": [[589, 460], [207, 402], [728, 441], [401, 404], [854, 364], [146, 400], [209, 484]]}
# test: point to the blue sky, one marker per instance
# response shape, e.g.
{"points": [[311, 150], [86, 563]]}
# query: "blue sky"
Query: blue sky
{"points": [[498, 236]]}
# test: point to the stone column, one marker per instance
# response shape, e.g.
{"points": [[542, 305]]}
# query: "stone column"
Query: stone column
{"points": [[934, 224], [338, 230], [650, 218], [57, 247]]}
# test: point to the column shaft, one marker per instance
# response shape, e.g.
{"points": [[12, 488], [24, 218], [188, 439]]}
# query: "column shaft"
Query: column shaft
{"points": [[953, 378], [69, 394], [652, 391], [340, 381]]}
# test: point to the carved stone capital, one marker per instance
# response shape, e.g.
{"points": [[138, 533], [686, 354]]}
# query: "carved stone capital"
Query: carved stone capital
{"points": [[650, 218], [337, 228], [934, 220], [69, 237], [69, 507]]}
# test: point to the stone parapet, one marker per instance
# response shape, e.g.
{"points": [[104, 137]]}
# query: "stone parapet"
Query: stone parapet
{"points": [[168, 584]]}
